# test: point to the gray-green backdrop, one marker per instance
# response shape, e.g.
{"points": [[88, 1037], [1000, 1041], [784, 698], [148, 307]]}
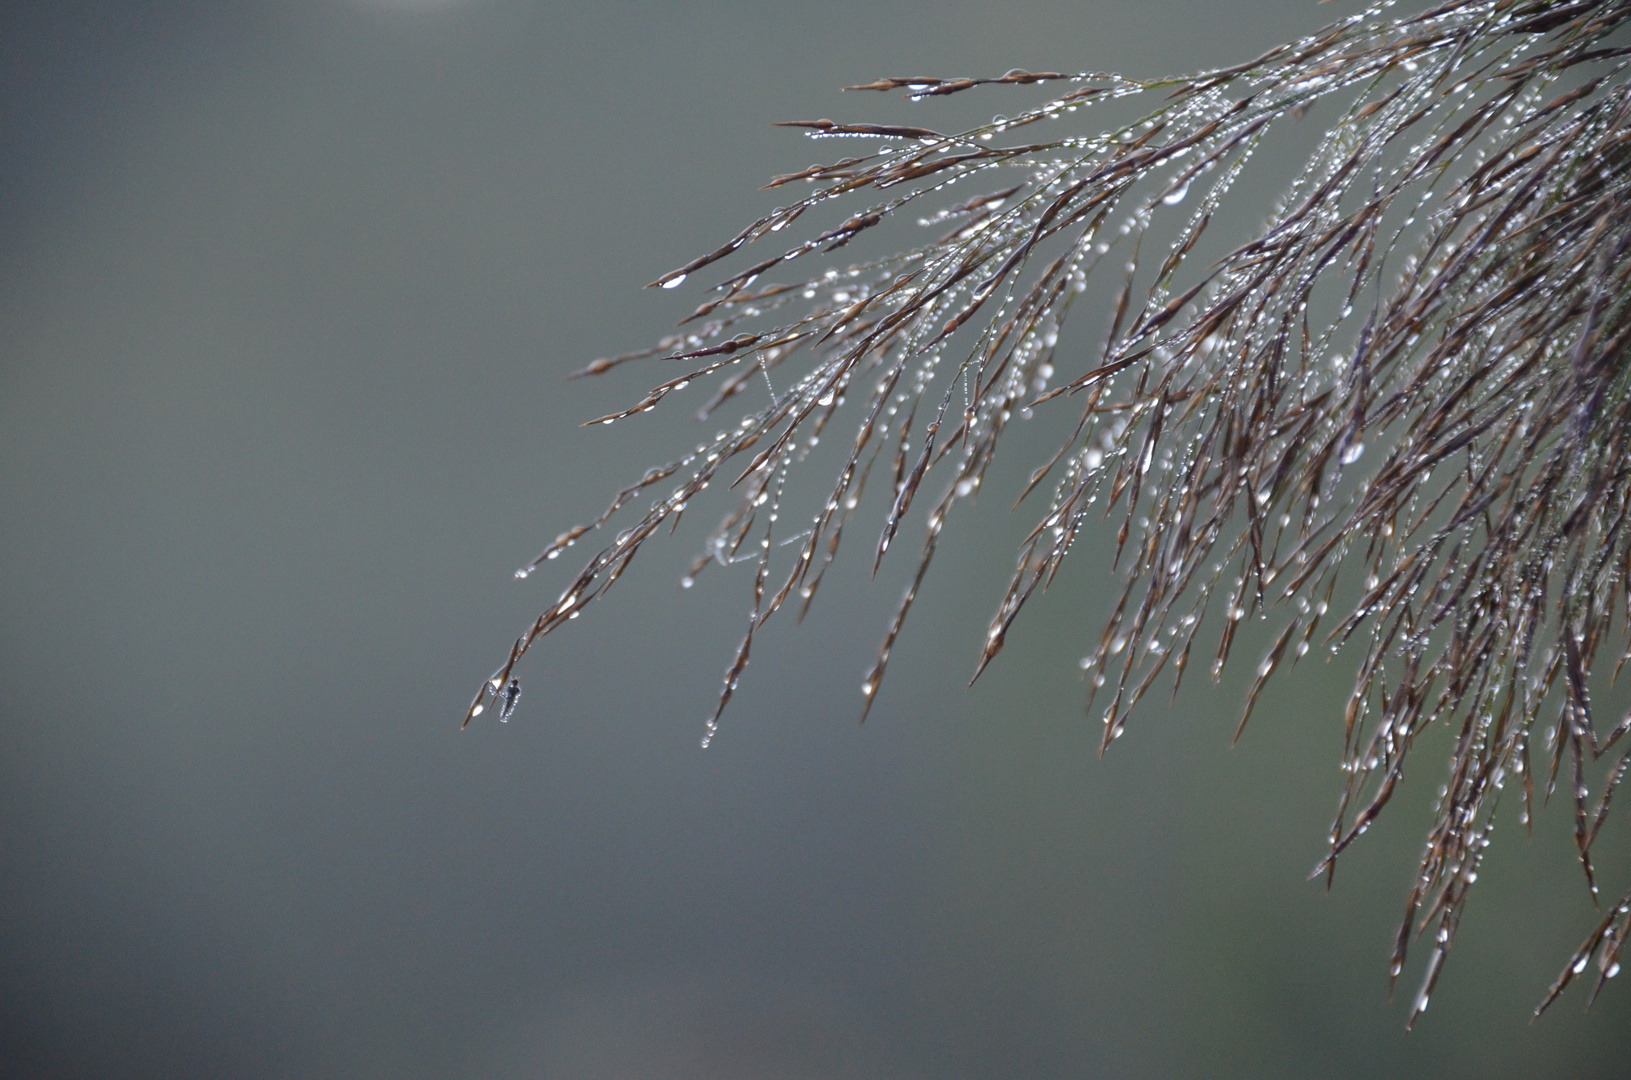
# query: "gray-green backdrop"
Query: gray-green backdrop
{"points": [[287, 292]]}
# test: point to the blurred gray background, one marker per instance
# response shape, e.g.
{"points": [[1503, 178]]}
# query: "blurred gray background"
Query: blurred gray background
{"points": [[288, 294]]}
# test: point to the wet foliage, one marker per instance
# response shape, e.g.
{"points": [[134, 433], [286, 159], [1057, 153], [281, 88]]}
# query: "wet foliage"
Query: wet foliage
{"points": [[1396, 423]]}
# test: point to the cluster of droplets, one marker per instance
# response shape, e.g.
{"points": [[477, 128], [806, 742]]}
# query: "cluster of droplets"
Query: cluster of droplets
{"points": [[1364, 178]]}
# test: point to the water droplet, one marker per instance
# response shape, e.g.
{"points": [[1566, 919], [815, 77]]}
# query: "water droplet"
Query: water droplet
{"points": [[1176, 195], [1351, 453], [674, 282], [687, 581]]}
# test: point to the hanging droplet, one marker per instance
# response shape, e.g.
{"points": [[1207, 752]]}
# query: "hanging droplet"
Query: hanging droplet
{"points": [[508, 697]]}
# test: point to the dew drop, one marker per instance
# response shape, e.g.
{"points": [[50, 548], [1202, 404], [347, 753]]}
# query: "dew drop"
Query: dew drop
{"points": [[674, 282], [1175, 196], [1351, 453]]}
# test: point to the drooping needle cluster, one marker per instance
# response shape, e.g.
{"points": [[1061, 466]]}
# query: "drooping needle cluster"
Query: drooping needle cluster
{"points": [[1398, 420]]}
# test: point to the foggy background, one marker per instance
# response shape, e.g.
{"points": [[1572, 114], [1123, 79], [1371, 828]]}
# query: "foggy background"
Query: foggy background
{"points": [[288, 294]]}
